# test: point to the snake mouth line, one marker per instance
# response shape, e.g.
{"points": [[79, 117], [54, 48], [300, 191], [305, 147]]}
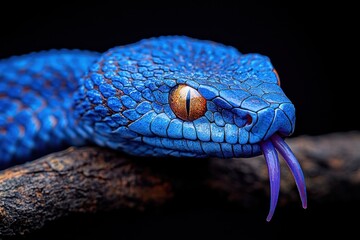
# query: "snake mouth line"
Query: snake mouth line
{"points": [[198, 148], [270, 148]]}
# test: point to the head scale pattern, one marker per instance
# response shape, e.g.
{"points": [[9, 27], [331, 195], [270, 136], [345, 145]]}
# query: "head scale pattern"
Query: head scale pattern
{"points": [[124, 99]]}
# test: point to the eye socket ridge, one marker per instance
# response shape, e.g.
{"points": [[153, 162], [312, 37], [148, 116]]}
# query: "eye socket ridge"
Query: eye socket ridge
{"points": [[187, 103]]}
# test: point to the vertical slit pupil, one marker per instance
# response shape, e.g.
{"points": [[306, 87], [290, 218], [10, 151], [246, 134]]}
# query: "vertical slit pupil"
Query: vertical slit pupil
{"points": [[188, 99]]}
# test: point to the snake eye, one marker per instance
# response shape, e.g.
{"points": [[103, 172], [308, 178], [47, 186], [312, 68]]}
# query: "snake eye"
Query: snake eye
{"points": [[187, 103], [277, 76]]}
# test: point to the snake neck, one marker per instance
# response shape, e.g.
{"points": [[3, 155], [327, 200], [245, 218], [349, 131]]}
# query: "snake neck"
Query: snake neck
{"points": [[37, 93]]}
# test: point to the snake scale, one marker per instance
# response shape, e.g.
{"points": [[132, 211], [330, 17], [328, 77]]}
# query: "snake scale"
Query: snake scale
{"points": [[163, 96]]}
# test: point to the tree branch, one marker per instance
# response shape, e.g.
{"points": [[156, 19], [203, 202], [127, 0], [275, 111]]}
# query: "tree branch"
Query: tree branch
{"points": [[92, 179]]}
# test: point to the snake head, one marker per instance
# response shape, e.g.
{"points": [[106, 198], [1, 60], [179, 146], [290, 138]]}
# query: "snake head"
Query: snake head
{"points": [[177, 96]]}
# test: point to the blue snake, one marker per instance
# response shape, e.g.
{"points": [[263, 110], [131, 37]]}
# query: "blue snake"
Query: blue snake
{"points": [[166, 96]]}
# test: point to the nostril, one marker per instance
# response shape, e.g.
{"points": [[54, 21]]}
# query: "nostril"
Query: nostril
{"points": [[249, 119], [243, 118]]}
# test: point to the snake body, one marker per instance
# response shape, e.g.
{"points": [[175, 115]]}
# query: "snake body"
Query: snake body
{"points": [[165, 96]]}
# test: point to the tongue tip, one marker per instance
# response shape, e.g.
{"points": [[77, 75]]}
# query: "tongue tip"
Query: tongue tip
{"points": [[303, 195], [270, 215], [304, 205]]}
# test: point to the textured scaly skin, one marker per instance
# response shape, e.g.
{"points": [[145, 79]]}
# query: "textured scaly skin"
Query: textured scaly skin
{"points": [[119, 99], [126, 99], [36, 101]]}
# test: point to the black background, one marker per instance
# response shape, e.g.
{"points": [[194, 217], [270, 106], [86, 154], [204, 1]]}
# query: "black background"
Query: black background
{"points": [[312, 47]]}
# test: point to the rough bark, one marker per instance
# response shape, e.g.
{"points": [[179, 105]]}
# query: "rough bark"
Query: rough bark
{"points": [[75, 180], [92, 179]]}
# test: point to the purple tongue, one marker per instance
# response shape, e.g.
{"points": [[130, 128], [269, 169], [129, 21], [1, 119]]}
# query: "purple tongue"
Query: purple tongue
{"points": [[272, 161], [293, 164], [268, 147]]}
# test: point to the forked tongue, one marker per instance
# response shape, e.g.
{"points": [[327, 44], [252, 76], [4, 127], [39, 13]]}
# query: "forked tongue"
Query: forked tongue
{"points": [[268, 147]]}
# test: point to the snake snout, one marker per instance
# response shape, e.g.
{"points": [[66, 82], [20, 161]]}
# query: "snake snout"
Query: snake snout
{"points": [[273, 120]]}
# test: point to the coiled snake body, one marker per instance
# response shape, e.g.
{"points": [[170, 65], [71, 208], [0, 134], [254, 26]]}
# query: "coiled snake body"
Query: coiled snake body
{"points": [[166, 96]]}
